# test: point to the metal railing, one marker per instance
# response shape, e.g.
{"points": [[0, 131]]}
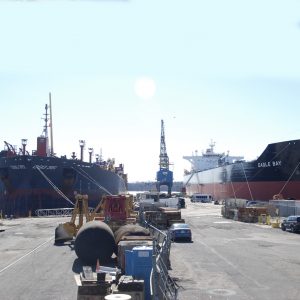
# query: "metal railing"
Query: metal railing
{"points": [[56, 212], [162, 285]]}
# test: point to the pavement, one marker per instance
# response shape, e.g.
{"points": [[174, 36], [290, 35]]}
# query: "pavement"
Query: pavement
{"points": [[233, 260], [31, 266], [226, 260]]}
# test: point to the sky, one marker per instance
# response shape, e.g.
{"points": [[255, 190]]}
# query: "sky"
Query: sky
{"points": [[221, 70]]}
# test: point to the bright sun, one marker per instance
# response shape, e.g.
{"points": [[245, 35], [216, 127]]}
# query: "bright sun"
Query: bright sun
{"points": [[145, 87]]}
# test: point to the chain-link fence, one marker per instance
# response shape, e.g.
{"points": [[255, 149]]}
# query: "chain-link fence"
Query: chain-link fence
{"points": [[286, 208]]}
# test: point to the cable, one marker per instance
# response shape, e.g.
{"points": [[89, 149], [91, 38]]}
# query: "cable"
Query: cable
{"points": [[91, 179], [54, 186]]}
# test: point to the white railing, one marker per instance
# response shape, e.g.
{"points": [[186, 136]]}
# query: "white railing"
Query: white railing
{"points": [[54, 212]]}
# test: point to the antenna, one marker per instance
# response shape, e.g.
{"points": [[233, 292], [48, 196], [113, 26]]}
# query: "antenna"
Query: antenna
{"points": [[51, 127]]}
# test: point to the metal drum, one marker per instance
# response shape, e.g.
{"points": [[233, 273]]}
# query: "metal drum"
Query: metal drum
{"points": [[95, 240]]}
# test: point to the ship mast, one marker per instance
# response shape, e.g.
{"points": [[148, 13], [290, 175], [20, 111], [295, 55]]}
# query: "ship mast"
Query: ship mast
{"points": [[51, 127], [44, 150]]}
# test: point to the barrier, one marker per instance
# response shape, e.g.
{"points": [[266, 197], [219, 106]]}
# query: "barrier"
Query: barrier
{"points": [[162, 285]]}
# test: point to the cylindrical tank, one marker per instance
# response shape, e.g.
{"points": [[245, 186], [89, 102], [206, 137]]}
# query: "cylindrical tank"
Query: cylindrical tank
{"points": [[130, 229], [95, 240]]}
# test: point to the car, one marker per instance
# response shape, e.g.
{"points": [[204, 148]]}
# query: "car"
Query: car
{"points": [[291, 223], [180, 231]]}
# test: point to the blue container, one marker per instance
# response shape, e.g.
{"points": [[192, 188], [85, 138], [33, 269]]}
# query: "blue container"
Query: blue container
{"points": [[138, 263]]}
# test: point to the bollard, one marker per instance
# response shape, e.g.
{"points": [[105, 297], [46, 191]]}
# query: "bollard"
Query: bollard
{"points": [[262, 219], [29, 214], [259, 219]]}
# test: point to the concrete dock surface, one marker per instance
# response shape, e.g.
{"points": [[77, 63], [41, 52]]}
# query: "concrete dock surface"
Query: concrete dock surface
{"points": [[226, 260]]}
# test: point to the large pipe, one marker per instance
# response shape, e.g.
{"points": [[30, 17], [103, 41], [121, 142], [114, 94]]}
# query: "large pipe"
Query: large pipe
{"points": [[130, 229], [95, 240]]}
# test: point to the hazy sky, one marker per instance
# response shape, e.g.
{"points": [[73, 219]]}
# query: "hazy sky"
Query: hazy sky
{"points": [[222, 70]]}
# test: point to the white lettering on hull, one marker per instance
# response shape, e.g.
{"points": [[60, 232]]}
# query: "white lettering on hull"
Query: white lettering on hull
{"points": [[274, 163], [45, 167], [18, 167]]}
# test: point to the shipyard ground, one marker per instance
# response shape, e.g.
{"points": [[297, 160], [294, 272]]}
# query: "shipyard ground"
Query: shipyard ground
{"points": [[226, 260], [234, 260]]}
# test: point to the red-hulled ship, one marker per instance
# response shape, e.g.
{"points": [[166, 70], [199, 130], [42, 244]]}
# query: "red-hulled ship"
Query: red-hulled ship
{"points": [[42, 180], [275, 172]]}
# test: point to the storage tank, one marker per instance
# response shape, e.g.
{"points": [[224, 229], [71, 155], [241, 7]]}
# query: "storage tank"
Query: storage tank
{"points": [[95, 240]]}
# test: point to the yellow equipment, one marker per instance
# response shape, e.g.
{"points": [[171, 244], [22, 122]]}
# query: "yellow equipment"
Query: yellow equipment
{"points": [[66, 231]]}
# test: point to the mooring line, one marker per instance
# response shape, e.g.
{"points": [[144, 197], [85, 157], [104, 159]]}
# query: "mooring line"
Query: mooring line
{"points": [[27, 254]]}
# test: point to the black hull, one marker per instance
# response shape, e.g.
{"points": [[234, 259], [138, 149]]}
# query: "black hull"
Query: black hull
{"points": [[29, 183], [276, 171]]}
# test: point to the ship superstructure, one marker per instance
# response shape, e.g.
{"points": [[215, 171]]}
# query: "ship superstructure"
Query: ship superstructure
{"points": [[210, 159]]}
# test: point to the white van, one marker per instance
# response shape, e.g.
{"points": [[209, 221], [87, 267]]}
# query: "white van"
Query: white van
{"points": [[204, 198]]}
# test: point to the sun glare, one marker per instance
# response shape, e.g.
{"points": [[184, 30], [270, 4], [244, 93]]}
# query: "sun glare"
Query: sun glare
{"points": [[145, 87]]}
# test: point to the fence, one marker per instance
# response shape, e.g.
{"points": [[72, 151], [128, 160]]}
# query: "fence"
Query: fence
{"points": [[162, 285], [286, 207], [56, 212]]}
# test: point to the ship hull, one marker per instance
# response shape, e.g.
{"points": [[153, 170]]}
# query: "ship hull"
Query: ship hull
{"points": [[29, 183], [276, 171]]}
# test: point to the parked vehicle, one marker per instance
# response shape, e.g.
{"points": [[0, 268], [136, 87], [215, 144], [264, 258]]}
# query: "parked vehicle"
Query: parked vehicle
{"points": [[204, 198], [181, 203], [180, 231], [251, 203], [291, 223]]}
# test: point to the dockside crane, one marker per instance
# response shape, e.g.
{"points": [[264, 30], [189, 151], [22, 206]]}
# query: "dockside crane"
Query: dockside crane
{"points": [[164, 176]]}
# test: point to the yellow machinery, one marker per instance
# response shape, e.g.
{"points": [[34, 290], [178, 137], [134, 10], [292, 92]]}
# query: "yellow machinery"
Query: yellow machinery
{"points": [[66, 231], [115, 210]]}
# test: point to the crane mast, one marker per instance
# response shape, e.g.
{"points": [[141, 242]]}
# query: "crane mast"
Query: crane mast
{"points": [[163, 156], [164, 176]]}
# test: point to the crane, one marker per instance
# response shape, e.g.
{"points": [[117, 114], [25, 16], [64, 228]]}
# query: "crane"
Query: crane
{"points": [[164, 176]]}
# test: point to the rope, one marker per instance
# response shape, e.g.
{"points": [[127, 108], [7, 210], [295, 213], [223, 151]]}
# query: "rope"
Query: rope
{"points": [[233, 189], [190, 178], [54, 186], [289, 178], [91, 179], [247, 181]]}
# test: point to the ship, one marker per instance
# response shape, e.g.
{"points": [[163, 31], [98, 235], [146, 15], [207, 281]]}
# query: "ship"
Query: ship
{"points": [[42, 180], [275, 174]]}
